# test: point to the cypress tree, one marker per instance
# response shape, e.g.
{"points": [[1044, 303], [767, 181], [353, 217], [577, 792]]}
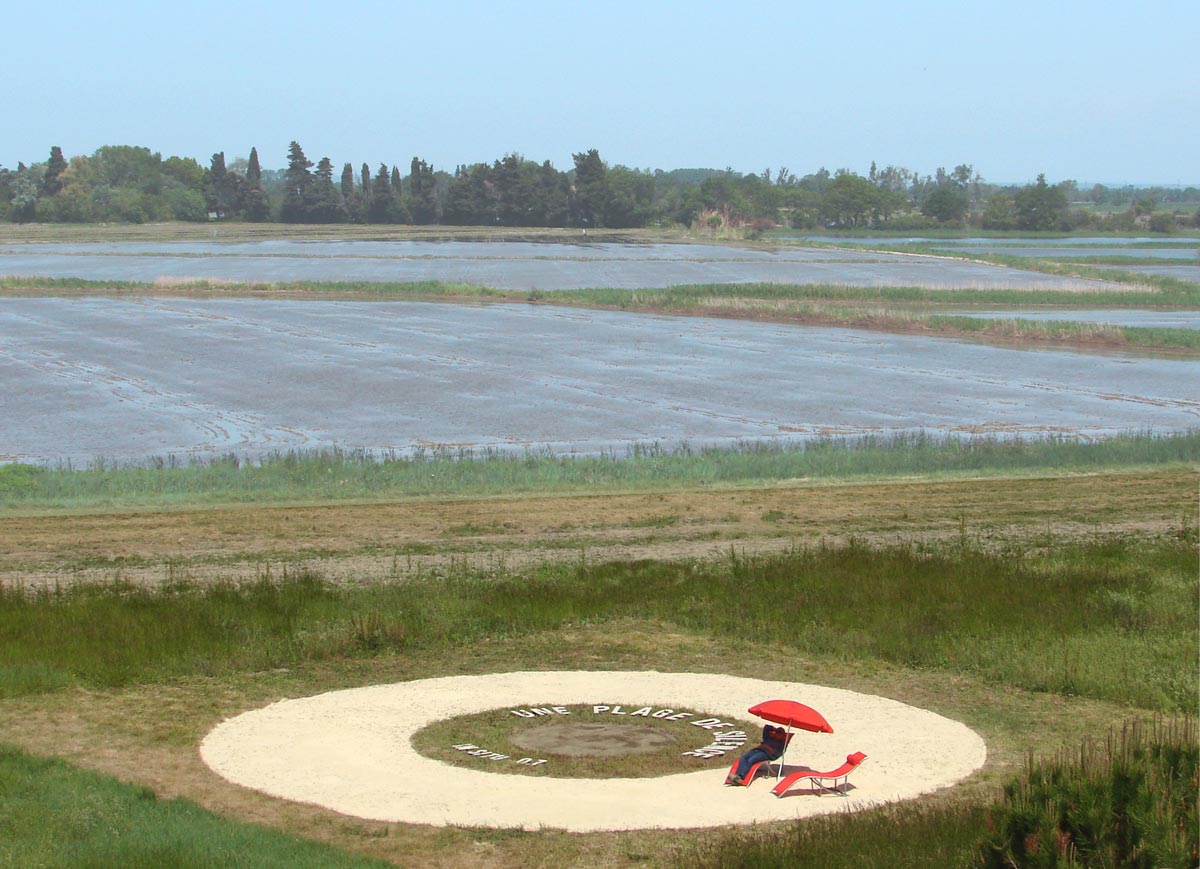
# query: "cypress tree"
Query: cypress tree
{"points": [[349, 196], [255, 204], [380, 208], [422, 193], [399, 213], [325, 202], [56, 165], [297, 179]]}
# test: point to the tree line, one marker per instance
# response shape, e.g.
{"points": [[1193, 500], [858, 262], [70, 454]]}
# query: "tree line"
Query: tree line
{"points": [[121, 183]]}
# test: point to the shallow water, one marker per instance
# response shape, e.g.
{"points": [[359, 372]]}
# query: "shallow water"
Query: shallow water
{"points": [[128, 379], [512, 266]]}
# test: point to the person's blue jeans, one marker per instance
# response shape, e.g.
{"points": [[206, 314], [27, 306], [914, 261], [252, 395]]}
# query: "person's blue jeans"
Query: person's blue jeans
{"points": [[750, 758]]}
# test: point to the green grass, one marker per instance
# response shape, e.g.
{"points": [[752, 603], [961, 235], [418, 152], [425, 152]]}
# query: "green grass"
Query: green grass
{"points": [[1129, 800], [911, 834], [55, 814], [336, 475], [1177, 293], [1112, 618], [1068, 330]]}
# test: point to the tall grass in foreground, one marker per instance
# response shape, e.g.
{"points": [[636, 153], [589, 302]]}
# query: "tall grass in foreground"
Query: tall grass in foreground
{"points": [[55, 814], [1128, 800], [1113, 618], [338, 475]]}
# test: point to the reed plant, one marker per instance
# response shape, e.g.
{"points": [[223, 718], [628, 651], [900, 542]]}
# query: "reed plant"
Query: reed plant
{"points": [[341, 475], [1128, 799]]}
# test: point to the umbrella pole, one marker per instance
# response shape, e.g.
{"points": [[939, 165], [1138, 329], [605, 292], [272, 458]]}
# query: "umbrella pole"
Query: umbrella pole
{"points": [[786, 741]]}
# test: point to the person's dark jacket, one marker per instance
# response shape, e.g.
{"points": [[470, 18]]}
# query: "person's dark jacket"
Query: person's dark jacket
{"points": [[773, 741]]}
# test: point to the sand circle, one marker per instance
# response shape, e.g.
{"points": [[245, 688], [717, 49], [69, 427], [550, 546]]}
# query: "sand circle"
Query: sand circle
{"points": [[593, 740], [351, 751]]}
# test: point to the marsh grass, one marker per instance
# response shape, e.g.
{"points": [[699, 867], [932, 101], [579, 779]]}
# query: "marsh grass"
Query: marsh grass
{"points": [[55, 814], [338, 475], [1112, 618], [1126, 800]]}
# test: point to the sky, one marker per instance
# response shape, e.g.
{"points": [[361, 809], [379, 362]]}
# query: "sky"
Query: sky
{"points": [[1093, 91]]}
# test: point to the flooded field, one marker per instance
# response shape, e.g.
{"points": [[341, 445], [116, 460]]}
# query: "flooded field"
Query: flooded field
{"points": [[513, 265], [128, 379]]}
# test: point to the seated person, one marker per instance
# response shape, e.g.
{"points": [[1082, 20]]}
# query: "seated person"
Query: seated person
{"points": [[773, 741]]}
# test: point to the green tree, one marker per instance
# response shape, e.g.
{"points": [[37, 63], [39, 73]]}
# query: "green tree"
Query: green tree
{"points": [[350, 195], [325, 204], [469, 198], [382, 204], [947, 204], [848, 200], [399, 210], [1000, 212], [26, 188], [516, 191], [554, 194], [630, 198], [55, 166], [184, 171], [73, 202], [364, 191], [222, 188], [255, 204], [1040, 207], [297, 179], [422, 192], [590, 200]]}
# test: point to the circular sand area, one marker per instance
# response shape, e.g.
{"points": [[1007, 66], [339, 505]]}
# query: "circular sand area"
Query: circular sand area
{"points": [[351, 751]]}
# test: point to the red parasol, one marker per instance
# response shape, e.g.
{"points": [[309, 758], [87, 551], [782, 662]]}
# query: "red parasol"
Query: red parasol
{"points": [[792, 714]]}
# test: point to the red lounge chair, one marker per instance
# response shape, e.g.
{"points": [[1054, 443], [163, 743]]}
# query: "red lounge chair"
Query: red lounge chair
{"points": [[753, 771], [818, 778]]}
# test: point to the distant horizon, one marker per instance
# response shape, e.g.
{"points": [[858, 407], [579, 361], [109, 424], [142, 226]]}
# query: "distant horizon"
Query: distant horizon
{"points": [[1072, 89], [231, 156]]}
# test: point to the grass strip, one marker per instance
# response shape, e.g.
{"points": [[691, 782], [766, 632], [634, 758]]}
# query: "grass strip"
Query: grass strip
{"points": [[889, 309], [339, 476], [56, 814], [1168, 290], [1111, 618]]}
